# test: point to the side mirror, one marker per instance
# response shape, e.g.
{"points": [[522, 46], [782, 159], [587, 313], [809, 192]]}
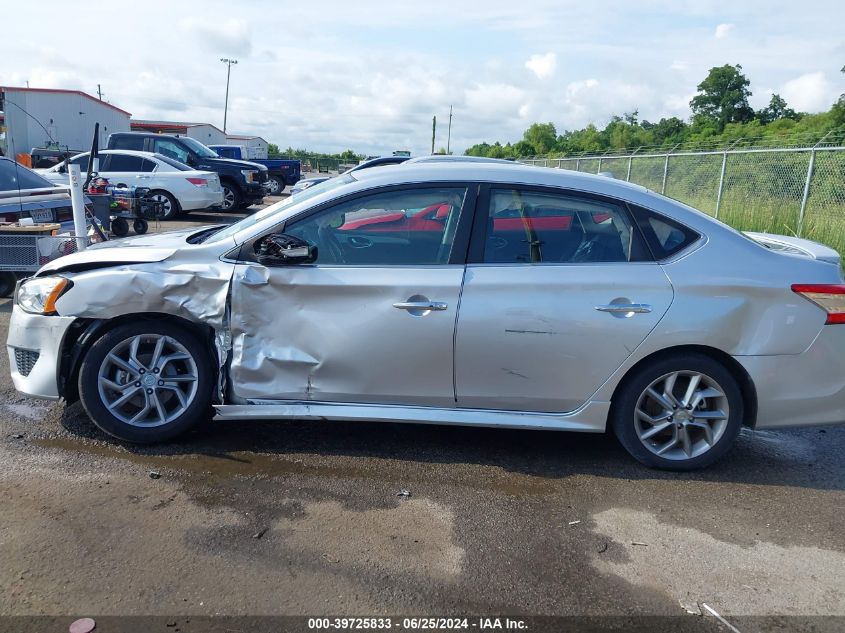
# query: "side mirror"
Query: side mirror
{"points": [[280, 249], [191, 161], [63, 168]]}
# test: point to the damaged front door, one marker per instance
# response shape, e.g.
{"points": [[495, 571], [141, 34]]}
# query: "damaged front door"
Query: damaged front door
{"points": [[371, 320]]}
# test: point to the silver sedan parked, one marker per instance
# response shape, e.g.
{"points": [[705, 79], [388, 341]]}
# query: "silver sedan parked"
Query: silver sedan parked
{"points": [[451, 293]]}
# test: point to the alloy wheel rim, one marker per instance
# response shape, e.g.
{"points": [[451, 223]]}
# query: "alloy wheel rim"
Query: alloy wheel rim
{"points": [[165, 202], [681, 415], [228, 198], [147, 380], [274, 186]]}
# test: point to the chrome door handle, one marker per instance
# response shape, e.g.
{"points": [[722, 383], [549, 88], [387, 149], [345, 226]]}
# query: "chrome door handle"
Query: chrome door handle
{"points": [[421, 305], [624, 308]]}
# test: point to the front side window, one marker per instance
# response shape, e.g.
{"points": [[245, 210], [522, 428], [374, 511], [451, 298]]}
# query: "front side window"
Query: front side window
{"points": [[534, 227], [406, 227]]}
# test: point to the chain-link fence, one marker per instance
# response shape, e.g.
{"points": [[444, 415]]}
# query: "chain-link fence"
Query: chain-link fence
{"points": [[792, 191]]}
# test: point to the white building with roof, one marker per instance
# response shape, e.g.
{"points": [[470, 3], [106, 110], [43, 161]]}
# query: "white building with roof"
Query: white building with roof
{"points": [[48, 117]]}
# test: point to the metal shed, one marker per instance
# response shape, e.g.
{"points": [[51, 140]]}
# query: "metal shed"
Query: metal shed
{"points": [[41, 117]]}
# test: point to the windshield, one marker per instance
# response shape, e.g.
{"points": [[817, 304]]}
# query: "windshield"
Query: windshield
{"points": [[14, 176], [173, 162], [289, 202], [198, 148]]}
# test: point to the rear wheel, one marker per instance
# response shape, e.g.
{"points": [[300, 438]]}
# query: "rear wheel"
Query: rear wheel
{"points": [[678, 413], [276, 185], [169, 204], [140, 226], [146, 382]]}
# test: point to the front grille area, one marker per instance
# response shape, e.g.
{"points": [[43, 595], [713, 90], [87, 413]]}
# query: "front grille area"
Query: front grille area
{"points": [[25, 359]]}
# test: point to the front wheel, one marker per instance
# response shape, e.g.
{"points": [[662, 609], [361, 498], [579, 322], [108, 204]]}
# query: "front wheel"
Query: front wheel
{"points": [[146, 382], [7, 284], [232, 198], [120, 227], [678, 413]]}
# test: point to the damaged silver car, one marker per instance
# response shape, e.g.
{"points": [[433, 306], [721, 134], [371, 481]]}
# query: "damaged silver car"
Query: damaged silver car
{"points": [[474, 294]]}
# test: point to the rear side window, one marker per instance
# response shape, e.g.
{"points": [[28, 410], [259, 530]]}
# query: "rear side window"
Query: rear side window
{"points": [[125, 162], [533, 227], [664, 236], [130, 142]]}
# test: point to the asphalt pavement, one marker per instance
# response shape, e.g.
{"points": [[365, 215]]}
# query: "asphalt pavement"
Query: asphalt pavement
{"points": [[270, 518]]}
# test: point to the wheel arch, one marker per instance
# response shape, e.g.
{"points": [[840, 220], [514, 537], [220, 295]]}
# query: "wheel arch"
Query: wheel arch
{"points": [[83, 333], [743, 379]]}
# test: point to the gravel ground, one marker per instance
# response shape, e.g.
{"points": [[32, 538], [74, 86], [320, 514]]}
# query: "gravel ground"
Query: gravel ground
{"points": [[308, 518]]}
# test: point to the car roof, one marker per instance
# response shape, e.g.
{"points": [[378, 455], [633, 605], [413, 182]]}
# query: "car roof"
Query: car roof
{"points": [[506, 172], [379, 162], [450, 158], [131, 152]]}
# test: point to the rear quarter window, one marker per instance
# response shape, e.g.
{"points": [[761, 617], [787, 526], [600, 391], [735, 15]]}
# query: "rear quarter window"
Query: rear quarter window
{"points": [[664, 236]]}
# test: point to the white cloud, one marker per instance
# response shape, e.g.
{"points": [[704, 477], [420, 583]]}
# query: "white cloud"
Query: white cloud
{"points": [[371, 80], [542, 65], [231, 36], [809, 93], [723, 30]]}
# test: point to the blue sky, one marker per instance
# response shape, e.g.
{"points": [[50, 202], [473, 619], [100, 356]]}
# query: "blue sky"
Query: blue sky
{"points": [[370, 75]]}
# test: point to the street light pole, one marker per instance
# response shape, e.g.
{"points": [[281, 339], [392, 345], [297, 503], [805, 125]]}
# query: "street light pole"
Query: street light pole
{"points": [[228, 63], [449, 134]]}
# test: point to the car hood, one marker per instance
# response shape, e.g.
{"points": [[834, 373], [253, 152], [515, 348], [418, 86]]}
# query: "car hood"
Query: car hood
{"points": [[138, 249], [229, 162]]}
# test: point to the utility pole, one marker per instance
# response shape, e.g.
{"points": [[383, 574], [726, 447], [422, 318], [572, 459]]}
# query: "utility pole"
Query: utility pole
{"points": [[449, 134], [99, 92], [433, 130], [228, 63]]}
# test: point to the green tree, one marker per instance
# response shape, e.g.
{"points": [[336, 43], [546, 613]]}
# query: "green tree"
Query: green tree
{"points": [[838, 110], [273, 149], [541, 136], [777, 109], [723, 96]]}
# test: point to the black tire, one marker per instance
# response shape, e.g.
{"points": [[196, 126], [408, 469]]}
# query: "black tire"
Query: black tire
{"points": [[196, 408], [232, 198], [7, 284], [625, 419], [171, 205], [277, 185], [120, 227], [140, 226]]}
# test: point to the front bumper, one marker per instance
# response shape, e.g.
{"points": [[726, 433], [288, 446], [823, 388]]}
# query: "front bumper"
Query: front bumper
{"points": [[34, 345], [804, 389]]}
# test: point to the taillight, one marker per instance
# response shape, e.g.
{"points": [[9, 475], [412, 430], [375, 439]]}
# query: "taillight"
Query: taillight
{"points": [[829, 297], [65, 214], [199, 182]]}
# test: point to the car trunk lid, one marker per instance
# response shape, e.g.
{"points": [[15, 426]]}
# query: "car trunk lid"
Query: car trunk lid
{"points": [[796, 246]]}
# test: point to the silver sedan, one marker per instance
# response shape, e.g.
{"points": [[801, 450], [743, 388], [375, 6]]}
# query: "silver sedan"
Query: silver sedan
{"points": [[451, 293]]}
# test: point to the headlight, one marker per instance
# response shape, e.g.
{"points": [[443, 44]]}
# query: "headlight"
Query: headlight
{"points": [[249, 174], [39, 295]]}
